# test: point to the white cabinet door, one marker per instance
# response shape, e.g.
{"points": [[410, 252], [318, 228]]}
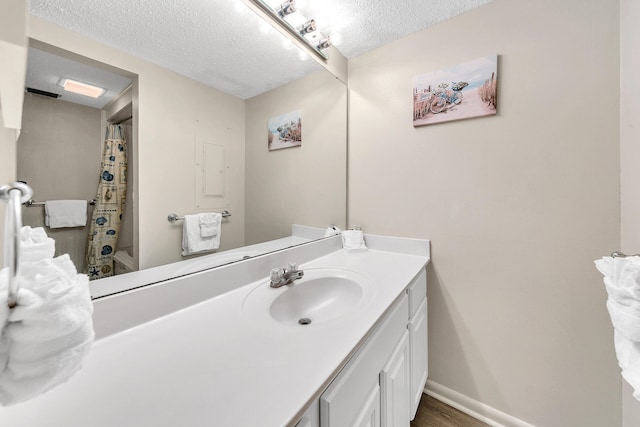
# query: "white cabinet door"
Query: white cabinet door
{"points": [[311, 417], [394, 385], [342, 402], [369, 415], [418, 342]]}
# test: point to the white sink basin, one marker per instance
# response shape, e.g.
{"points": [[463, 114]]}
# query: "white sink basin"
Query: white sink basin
{"points": [[322, 295]]}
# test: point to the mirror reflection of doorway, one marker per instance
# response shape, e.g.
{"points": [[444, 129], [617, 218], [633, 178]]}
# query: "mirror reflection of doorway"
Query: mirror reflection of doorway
{"points": [[60, 146]]}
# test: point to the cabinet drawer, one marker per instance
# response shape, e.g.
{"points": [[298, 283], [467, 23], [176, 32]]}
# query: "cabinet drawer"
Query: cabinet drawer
{"points": [[417, 291]]}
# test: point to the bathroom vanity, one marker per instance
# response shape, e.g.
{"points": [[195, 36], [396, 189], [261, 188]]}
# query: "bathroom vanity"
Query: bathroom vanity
{"points": [[221, 347], [383, 382]]}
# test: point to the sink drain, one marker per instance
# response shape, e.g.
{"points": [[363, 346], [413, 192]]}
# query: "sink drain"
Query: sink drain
{"points": [[304, 321]]}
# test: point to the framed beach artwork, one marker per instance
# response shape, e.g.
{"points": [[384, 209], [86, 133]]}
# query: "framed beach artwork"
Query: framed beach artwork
{"points": [[285, 131], [459, 92]]}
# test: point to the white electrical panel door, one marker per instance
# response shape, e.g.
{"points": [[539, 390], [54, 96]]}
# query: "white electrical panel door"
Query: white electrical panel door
{"points": [[213, 170], [211, 176]]}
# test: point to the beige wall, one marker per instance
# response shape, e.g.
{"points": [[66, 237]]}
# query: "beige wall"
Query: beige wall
{"points": [[630, 158], [59, 152], [168, 107], [300, 185], [517, 206]]}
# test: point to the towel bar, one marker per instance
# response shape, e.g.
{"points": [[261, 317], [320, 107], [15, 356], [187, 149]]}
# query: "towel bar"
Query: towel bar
{"points": [[14, 194], [30, 202], [621, 255], [173, 217]]}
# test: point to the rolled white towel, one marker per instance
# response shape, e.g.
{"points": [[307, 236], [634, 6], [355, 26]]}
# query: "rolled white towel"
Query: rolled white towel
{"points": [[45, 338], [35, 244]]}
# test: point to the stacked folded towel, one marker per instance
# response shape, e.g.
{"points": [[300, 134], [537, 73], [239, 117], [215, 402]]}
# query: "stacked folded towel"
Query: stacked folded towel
{"points": [[65, 213], [201, 233], [622, 281], [209, 224], [353, 241], [44, 339]]}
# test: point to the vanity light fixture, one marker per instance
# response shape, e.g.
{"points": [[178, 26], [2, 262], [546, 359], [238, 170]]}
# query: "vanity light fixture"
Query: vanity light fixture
{"points": [[290, 21], [82, 88]]}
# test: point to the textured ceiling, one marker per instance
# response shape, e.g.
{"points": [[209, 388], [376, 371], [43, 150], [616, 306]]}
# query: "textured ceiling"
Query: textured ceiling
{"points": [[224, 45]]}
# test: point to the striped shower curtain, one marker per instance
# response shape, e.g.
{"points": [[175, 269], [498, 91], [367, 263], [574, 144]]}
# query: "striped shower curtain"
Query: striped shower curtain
{"points": [[107, 214]]}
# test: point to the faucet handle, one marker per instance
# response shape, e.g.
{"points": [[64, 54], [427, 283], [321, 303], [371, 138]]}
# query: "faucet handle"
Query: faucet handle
{"points": [[277, 275], [292, 267]]}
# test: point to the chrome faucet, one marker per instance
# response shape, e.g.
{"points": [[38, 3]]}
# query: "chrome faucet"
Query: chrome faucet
{"points": [[285, 276]]}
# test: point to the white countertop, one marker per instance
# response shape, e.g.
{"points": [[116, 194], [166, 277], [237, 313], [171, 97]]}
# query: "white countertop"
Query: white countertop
{"points": [[213, 364]]}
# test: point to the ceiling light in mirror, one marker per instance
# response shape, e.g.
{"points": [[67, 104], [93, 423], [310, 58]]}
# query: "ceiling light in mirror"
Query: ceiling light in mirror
{"points": [[81, 88]]}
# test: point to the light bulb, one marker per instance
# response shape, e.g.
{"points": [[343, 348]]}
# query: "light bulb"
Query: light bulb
{"points": [[240, 7], [324, 43], [336, 39], [265, 27], [287, 44], [307, 27]]}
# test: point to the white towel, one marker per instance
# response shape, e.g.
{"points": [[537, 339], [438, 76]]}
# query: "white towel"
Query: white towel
{"points": [[622, 281], [35, 245], [210, 224], [65, 213], [353, 241], [44, 339], [192, 241]]}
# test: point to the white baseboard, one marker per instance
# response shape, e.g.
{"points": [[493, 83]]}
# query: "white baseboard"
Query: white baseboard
{"points": [[472, 407]]}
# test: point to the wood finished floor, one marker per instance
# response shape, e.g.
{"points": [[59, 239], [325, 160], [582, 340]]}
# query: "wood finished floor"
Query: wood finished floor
{"points": [[433, 413]]}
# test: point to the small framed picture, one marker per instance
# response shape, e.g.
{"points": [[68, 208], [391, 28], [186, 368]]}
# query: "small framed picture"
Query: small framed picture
{"points": [[459, 92], [285, 131]]}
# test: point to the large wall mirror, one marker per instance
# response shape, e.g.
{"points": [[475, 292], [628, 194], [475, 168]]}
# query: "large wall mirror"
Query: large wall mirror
{"points": [[172, 123]]}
